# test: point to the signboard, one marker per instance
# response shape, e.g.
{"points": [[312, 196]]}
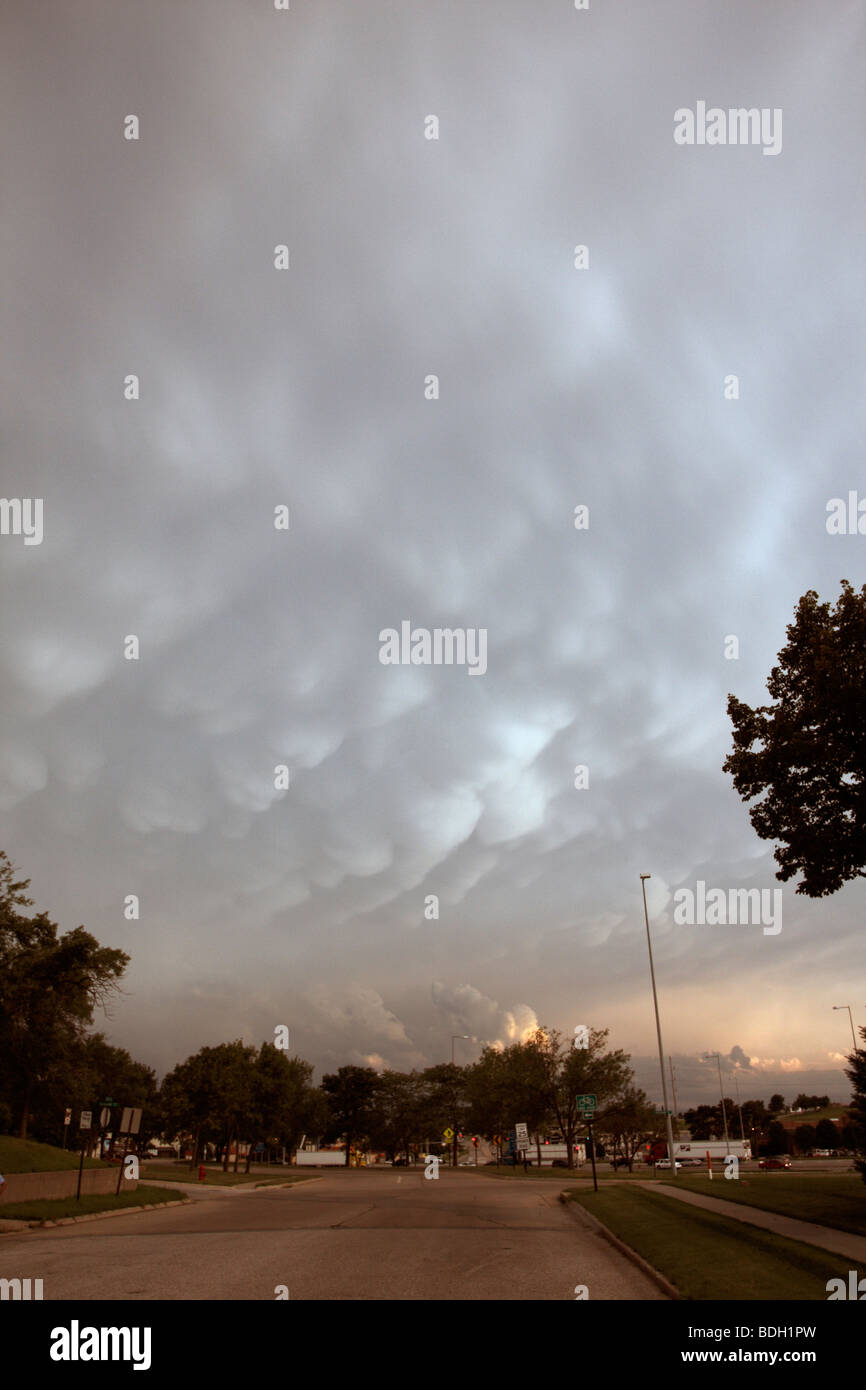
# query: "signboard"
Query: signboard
{"points": [[448, 1133], [521, 1133], [130, 1121], [104, 1117], [587, 1103], [84, 1121], [67, 1118]]}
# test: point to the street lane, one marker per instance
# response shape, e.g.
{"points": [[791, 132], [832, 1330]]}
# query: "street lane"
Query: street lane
{"points": [[350, 1235]]}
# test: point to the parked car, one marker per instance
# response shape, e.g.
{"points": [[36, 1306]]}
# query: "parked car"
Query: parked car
{"points": [[666, 1163], [819, 1153], [691, 1162], [781, 1162]]}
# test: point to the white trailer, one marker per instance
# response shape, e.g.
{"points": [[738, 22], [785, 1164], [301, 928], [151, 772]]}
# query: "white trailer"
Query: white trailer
{"points": [[321, 1158], [717, 1149]]}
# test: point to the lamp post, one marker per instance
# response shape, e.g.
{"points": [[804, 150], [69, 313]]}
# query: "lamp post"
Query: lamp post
{"points": [[740, 1109], [455, 1037], [850, 1020], [722, 1098], [668, 1124]]}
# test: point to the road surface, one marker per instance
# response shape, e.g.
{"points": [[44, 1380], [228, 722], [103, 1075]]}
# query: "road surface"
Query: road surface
{"points": [[347, 1235]]}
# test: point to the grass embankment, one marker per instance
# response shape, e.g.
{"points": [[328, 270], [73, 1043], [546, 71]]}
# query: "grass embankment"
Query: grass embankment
{"points": [[839, 1202], [26, 1156], [54, 1209], [706, 1256], [215, 1177], [583, 1174]]}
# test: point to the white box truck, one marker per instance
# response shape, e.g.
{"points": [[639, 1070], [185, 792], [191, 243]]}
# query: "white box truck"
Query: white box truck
{"points": [[695, 1151]]}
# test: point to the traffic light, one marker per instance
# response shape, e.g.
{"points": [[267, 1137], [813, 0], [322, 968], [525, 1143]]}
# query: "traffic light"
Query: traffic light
{"points": [[475, 1140]]}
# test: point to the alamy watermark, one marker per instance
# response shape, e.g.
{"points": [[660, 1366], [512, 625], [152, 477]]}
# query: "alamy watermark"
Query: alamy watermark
{"points": [[22, 516], [443, 646], [714, 907], [736, 126]]}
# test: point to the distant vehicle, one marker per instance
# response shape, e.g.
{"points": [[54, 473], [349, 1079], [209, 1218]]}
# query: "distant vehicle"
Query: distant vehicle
{"points": [[819, 1153], [718, 1149], [691, 1162], [321, 1158], [781, 1162], [666, 1163]]}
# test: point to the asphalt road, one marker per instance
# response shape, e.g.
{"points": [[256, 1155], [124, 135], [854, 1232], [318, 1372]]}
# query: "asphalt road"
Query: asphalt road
{"points": [[348, 1235]]}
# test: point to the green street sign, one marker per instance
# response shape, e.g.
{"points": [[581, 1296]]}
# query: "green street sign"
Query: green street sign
{"points": [[586, 1103]]}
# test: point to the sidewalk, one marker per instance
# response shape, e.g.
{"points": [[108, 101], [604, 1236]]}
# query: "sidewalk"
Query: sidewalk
{"points": [[840, 1242]]}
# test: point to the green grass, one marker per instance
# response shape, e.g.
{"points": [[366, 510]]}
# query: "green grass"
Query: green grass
{"points": [[52, 1210], [583, 1174], [215, 1177], [837, 1201], [706, 1256], [26, 1156]]}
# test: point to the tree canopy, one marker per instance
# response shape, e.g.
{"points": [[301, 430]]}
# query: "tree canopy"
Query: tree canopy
{"points": [[810, 765]]}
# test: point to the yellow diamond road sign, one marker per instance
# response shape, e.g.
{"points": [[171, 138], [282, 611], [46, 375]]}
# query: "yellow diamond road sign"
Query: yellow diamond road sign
{"points": [[448, 1134]]}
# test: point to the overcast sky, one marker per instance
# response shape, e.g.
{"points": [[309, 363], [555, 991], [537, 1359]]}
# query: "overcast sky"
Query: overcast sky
{"points": [[558, 387]]}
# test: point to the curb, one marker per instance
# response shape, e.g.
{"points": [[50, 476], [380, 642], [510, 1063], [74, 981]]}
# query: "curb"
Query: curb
{"points": [[96, 1216], [580, 1213]]}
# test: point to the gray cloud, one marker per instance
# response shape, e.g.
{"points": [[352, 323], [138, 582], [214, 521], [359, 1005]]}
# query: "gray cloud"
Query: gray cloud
{"points": [[558, 387]]}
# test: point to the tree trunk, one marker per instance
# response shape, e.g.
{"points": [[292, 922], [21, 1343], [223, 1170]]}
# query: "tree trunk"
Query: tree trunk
{"points": [[25, 1113]]}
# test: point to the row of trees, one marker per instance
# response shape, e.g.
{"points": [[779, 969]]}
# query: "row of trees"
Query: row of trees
{"points": [[50, 985]]}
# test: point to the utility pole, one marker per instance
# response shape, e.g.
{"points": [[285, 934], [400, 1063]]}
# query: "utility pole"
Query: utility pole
{"points": [[668, 1124], [673, 1086], [722, 1098]]}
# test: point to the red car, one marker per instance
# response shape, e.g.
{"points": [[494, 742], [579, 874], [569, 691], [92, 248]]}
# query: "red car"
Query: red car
{"points": [[774, 1163]]}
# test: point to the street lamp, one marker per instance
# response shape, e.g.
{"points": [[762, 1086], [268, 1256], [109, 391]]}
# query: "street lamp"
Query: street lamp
{"points": [[668, 1124], [740, 1109], [722, 1098], [850, 1020]]}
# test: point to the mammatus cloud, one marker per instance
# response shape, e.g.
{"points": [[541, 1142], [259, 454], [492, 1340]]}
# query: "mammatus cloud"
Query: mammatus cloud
{"points": [[607, 647]]}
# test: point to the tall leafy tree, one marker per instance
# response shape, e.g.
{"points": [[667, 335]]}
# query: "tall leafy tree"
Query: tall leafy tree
{"points": [[350, 1093], [856, 1129], [810, 763], [567, 1072], [50, 985]]}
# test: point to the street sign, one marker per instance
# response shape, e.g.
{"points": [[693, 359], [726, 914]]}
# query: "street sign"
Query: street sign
{"points": [[130, 1121], [104, 1117], [521, 1133], [67, 1118], [586, 1103], [448, 1133], [84, 1120]]}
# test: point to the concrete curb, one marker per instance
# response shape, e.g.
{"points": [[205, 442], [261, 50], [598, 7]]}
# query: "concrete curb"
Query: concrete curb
{"points": [[96, 1216], [581, 1214]]}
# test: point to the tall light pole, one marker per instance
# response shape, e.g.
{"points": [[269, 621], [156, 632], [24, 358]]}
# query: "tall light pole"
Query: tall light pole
{"points": [[674, 1091], [740, 1109], [722, 1098], [455, 1037], [850, 1020], [668, 1125]]}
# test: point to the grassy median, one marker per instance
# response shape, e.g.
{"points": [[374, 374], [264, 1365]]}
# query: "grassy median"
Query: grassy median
{"points": [[54, 1209], [215, 1177], [839, 1202], [707, 1256]]}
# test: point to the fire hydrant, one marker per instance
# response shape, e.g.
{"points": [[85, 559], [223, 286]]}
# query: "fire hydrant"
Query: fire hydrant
{"points": [[201, 1173]]}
